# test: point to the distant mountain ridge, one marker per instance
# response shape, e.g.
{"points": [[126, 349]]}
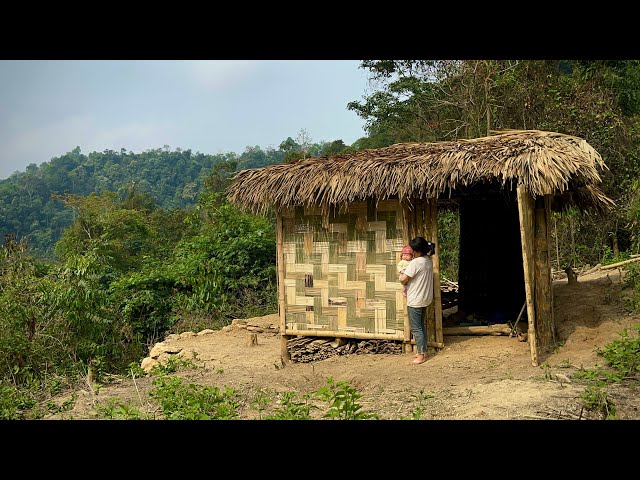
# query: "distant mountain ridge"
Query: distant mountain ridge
{"points": [[173, 178]]}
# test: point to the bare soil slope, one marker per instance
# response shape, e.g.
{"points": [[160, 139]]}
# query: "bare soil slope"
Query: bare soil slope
{"points": [[473, 377]]}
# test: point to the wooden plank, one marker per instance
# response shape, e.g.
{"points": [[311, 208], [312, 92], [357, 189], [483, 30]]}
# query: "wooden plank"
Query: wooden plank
{"points": [[347, 334], [307, 301], [393, 286], [429, 344], [525, 213], [381, 240], [361, 265], [437, 294], [284, 351], [342, 316], [498, 329], [380, 319], [337, 268]]}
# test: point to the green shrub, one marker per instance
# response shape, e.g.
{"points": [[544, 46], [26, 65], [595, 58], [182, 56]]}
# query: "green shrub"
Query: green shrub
{"points": [[113, 409], [343, 401], [194, 402], [595, 399], [623, 354], [14, 401], [292, 407]]}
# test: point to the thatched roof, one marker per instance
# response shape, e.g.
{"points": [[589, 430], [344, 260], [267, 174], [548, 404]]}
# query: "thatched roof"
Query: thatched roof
{"points": [[544, 162]]}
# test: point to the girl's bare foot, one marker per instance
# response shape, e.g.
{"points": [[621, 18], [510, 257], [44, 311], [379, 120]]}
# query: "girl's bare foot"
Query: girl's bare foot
{"points": [[420, 358]]}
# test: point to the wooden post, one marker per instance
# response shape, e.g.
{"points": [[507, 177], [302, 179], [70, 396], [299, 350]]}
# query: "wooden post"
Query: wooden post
{"points": [[548, 199], [404, 208], [525, 212], [285, 356], [542, 274], [425, 231], [555, 226], [488, 104], [420, 209], [437, 294], [411, 221]]}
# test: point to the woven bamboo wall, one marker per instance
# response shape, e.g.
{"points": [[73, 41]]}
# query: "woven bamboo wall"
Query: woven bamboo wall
{"points": [[340, 268]]}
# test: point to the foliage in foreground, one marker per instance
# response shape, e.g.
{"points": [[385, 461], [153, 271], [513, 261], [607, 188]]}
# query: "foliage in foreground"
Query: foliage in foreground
{"points": [[622, 357], [187, 401]]}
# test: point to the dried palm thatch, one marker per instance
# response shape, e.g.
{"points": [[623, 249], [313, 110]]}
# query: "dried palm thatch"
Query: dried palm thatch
{"points": [[543, 162]]}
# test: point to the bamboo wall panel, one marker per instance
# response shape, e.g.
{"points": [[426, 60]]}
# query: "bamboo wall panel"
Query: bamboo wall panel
{"points": [[339, 270]]}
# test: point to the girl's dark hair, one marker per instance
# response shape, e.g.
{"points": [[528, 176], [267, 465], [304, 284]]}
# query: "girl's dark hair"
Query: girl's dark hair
{"points": [[423, 246]]}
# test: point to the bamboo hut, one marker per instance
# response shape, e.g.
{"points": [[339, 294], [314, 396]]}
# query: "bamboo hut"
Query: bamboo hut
{"points": [[341, 222]]}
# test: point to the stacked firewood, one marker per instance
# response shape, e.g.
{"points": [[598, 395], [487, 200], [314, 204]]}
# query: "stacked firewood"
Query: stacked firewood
{"points": [[309, 349], [449, 295], [447, 285]]}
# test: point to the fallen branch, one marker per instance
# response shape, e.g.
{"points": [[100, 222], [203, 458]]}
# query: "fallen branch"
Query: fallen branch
{"points": [[614, 265], [498, 329]]}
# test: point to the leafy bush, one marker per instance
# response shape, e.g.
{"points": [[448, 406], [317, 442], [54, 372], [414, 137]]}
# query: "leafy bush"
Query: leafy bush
{"points": [[595, 399], [292, 407], [632, 279], [14, 401], [194, 402], [449, 243], [145, 302], [229, 268], [113, 409], [623, 354], [343, 401]]}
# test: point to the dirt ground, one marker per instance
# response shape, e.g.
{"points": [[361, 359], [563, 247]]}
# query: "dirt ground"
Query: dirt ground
{"points": [[472, 377]]}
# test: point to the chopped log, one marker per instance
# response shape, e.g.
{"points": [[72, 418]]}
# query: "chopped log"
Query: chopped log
{"points": [[571, 276], [614, 265], [497, 329], [338, 342], [252, 340]]}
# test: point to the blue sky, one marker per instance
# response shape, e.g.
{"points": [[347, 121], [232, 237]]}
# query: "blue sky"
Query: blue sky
{"points": [[49, 107]]}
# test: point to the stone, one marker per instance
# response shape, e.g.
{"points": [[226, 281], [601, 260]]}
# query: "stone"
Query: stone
{"points": [[206, 331], [160, 348], [147, 364]]}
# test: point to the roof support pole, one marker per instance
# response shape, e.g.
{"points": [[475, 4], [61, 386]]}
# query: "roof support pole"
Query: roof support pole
{"points": [[526, 213]]}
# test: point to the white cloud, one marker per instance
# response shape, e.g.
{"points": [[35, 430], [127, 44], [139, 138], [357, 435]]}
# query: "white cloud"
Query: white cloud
{"points": [[40, 144], [218, 74]]}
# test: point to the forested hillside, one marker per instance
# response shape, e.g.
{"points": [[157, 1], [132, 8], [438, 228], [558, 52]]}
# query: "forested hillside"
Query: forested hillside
{"points": [[31, 210]]}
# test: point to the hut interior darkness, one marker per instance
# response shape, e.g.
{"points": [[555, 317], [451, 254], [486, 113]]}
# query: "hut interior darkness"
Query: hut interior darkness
{"points": [[490, 274]]}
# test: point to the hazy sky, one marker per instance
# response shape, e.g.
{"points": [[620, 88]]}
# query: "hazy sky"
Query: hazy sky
{"points": [[49, 107]]}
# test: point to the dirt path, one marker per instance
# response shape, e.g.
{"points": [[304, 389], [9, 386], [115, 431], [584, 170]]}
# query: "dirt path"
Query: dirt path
{"points": [[473, 377]]}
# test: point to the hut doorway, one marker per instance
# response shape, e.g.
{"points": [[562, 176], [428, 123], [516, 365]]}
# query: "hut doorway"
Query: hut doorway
{"points": [[491, 288]]}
